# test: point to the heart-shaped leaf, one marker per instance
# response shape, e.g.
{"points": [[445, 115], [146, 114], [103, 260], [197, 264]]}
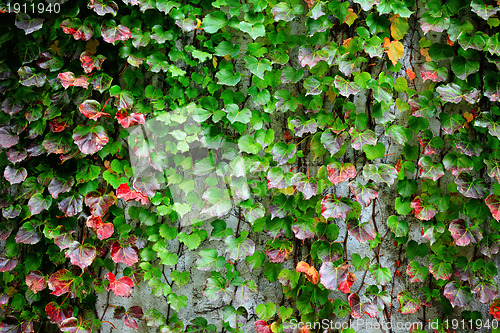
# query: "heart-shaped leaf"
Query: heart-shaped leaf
{"points": [[130, 316], [364, 194], [359, 309], [416, 272], [56, 314], [408, 304], [28, 77], [431, 71], [359, 139], [423, 211], [463, 233], [493, 203], [78, 30], [235, 317], [103, 7], [331, 206], [487, 290], [340, 172], [380, 173], [59, 185], [215, 289], [26, 23], [63, 281], [98, 204], [111, 32], [71, 206], [90, 139], [81, 255], [38, 203], [361, 231], [7, 137], [127, 254], [333, 142], [27, 234], [469, 187], [36, 281], [440, 269], [209, 260], [103, 230], [430, 170], [13, 175], [304, 184], [122, 287], [68, 79], [457, 296], [345, 87], [331, 276], [239, 248]]}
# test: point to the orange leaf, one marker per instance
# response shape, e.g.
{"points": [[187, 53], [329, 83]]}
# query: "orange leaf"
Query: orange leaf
{"points": [[351, 17], [345, 286], [449, 41], [311, 273], [310, 3], [425, 53], [394, 50], [468, 116], [411, 74]]}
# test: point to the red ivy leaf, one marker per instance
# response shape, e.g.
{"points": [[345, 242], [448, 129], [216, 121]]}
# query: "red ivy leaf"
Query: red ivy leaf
{"points": [[103, 230], [310, 271], [124, 192], [111, 32], [123, 286], [98, 204], [358, 309], [339, 172], [333, 207], [62, 282], [331, 276], [58, 186], [345, 286], [55, 314], [92, 109], [408, 304], [127, 255], [103, 7], [422, 211], [7, 264], [68, 79], [71, 206], [493, 203], [261, 326], [130, 316], [486, 290], [90, 62], [126, 120], [75, 28], [36, 281], [364, 194], [73, 325], [463, 234], [81, 255]]}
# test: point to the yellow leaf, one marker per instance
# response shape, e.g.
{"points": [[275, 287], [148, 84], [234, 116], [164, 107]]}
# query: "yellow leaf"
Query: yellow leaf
{"points": [[331, 95], [399, 27], [227, 57], [288, 191], [92, 45], [198, 23], [55, 47], [425, 53], [214, 61], [351, 17], [274, 327], [394, 50]]}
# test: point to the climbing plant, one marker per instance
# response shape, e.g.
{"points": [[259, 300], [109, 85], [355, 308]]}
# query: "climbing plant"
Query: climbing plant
{"points": [[137, 134]]}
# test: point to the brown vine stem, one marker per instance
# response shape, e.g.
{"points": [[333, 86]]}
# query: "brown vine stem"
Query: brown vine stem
{"points": [[105, 321]]}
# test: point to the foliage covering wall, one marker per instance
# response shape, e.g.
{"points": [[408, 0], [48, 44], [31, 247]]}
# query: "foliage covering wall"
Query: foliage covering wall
{"points": [[296, 132]]}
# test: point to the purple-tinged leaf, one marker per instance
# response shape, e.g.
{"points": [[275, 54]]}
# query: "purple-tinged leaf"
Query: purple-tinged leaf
{"points": [[147, 185], [469, 187], [380, 173], [493, 203], [57, 143], [431, 71], [423, 211], [27, 234], [431, 145], [124, 100], [130, 316], [7, 264], [463, 233], [234, 317], [81, 255], [36, 281], [11, 107], [26, 23], [490, 245], [38, 203], [239, 248], [430, 170], [90, 139], [421, 106], [68, 79], [468, 146], [483, 10], [278, 251], [358, 309], [111, 32], [408, 304], [301, 127], [103, 7], [59, 185], [14, 156], [15, 176], [450, 92], [48, 61], [101, 82], [63, 241], [359, 139], [71, 206], [215, 290], [440, 269], [340, 172], [98, 204], [28, 77], [331, 206], [11, 212], [345, 87], [304, 228], [487, 290], [92, 109], [306, 185], [331, 276], [244, 290], [261, 326], [437, 24], [282, 152], [457, 296], [276, 178], [186, 24], [473, 96], [364, 194], [310, 58], [7, 137], [333, 142], [486, 122], [361, 231], [90, 62], [416, 272], [56, 314]]}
